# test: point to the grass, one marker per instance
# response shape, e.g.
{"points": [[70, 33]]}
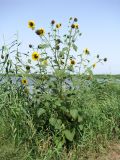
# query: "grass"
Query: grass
{"points": [[100, 110]]}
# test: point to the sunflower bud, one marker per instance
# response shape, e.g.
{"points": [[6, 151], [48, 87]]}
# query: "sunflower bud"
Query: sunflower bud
{"points": [[53, 22], [30, 46], [28, 68], [57, 47], [2, 56], [105, 59], [58, 41], [75, 19], [98, 56]]}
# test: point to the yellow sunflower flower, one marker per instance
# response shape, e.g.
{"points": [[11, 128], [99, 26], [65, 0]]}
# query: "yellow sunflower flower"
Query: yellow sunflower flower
{"points": [[40, 32], [72, 62], [31, 24], [58, 25], [94, 65], [24, 81], [86, 51], [35, 56], [76, 26]]}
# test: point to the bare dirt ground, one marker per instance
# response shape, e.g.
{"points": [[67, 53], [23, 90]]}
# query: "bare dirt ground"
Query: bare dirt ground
{"points": [[113, 153]]}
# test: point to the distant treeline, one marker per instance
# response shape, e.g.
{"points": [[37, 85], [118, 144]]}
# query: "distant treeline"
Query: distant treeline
{"points": [[117, 76]]}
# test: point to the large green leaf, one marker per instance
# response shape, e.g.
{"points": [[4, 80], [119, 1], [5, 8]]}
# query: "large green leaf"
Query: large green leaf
{"points": [[55, 122], [69, 135], [80, 118], [74, 113], [58, 124], [40, 111], [52, 121]]}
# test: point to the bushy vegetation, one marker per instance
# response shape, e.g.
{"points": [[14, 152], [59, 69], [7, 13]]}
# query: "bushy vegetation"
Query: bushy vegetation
{"points": [[68, 112]]}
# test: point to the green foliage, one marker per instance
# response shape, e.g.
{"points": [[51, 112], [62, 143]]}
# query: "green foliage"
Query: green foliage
{"points": [[69, 135]]}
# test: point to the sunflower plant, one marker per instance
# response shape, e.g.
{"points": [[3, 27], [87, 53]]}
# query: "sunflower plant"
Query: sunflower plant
{"points": [[60, 75], [62, 71]]}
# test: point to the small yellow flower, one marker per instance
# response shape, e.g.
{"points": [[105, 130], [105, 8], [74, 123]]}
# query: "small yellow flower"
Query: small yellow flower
{"points": [[40, 32], [86, 51], [58, 25], [76, 26], [35, 56], [45, 62], [72, 62], [31, 24], [24, 81], [94, 65]]}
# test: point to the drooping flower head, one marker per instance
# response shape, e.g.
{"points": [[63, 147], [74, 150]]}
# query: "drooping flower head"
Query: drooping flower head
{"points": [[35, 56], [31, 24], [58, 25], [40, 32]]}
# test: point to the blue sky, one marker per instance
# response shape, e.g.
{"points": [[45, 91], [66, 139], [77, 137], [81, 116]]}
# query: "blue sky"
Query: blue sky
{"points": [[99, 22]]}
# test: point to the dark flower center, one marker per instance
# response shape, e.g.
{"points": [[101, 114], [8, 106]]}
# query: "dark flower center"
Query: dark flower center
{"points": [[86, 51], [39, 32], [35, 56], [31, 24], [72, 62]]}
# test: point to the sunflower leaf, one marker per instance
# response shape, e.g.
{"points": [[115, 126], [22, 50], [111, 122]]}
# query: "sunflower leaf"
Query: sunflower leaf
{"points": [[40, 111], [69, 135], [74, 113]]}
